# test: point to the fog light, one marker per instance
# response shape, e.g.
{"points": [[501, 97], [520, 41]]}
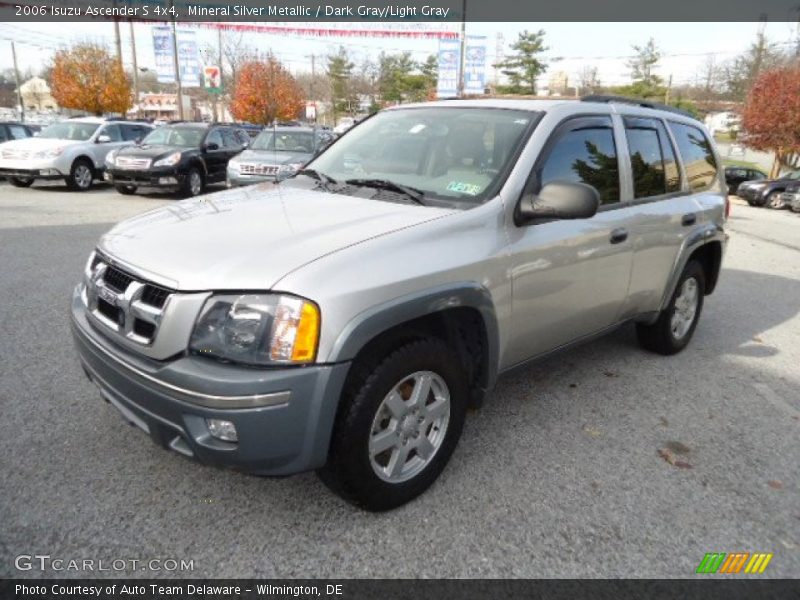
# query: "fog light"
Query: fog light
{"points": [[222, 430], [167, 181]]}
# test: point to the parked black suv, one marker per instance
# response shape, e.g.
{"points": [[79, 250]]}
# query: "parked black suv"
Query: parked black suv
{"points": [[184, 157], [737, 175]]}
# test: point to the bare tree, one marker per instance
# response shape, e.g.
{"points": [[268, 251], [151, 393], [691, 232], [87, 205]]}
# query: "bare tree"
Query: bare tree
{"points": [[588, 81]]}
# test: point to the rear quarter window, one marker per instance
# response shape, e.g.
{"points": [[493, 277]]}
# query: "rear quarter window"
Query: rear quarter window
{"points": [[697, 155]]}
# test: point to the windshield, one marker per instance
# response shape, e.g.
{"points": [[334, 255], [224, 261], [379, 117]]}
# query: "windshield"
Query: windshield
{"points": [[444, 152], [285, 141], [185, 137], [69, 130]]}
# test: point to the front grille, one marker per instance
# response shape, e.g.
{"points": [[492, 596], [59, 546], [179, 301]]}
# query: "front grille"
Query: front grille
{"points": [[255, 169], [16, 154], [126, 162], [116, 279], [123, 303], [155, 296]]}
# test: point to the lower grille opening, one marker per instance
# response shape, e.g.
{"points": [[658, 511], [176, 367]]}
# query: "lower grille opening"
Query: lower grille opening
{"points": [[144, 329], [108, 310]]}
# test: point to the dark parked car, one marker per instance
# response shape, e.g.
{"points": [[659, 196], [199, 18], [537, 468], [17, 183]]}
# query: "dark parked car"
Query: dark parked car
{"points": [[766, 192], [734, 176], [11, 130], [184, 157]]}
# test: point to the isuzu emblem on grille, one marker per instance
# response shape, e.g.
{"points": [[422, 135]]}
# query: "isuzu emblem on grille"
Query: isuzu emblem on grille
{"points": [[107, 295]]}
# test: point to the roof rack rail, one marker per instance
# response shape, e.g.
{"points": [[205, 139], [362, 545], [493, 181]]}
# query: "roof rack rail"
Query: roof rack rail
{"points": [[637, 102]]}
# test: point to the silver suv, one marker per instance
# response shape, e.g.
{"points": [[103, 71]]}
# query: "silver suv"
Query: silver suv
{"points": [[73, 150], [345, 319]]}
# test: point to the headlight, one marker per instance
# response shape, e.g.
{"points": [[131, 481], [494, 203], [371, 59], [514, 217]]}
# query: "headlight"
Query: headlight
{"points": [[233, 166], [52, 153], [110, 156], [168, 161], [258, 329]]}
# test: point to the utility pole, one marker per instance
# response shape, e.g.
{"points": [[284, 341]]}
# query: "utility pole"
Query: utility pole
{"points": [[313, 95], [135, 71], [179, 94], [117, 38], [217, 104], [16, 80], [462, 61], [669, 87]]}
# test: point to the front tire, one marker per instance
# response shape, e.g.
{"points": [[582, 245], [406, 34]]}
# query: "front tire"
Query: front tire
{"points": [[775, 201], [81, 176], [193, 184], [126, 190], [399, 421], [675, 326], [20, 182]]}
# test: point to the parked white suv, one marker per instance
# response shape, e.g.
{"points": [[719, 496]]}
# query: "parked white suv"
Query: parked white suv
{"points": [[73, 150]]}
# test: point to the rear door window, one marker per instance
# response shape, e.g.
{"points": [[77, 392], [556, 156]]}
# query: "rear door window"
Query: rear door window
{"points": [[18, 132], [655, 171], [698, 158]]}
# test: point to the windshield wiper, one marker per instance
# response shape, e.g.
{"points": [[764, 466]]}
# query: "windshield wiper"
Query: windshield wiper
{"points": [[321, 177], [384, 184]]}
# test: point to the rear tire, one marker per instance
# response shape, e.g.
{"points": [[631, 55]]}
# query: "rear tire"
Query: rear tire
{"points": [[81, 176], [20, 182], [126, 190], [398, 423], [675, 326]]}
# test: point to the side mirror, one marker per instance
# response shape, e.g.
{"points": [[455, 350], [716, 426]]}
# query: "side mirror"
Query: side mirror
{"points": [[559, 200], [103, 139], [212, 146]]}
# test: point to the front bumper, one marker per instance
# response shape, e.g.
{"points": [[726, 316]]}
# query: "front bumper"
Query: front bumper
{"points": [[32, 169], [791, 199], [750, 194], [164, 177], [284, 417]]}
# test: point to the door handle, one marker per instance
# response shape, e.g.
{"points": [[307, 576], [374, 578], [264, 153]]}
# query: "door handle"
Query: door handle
{"points": [[619, 235], [688, 219]]}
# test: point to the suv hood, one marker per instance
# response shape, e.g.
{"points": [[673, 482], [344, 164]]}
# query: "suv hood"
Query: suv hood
{"points": [[249, 238], [148, 151], [37, 144]]}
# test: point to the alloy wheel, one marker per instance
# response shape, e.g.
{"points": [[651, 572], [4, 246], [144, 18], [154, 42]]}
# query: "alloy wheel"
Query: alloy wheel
{"points": [[409, 427]]}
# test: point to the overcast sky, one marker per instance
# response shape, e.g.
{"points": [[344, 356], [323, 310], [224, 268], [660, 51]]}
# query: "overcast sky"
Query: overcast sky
{"points": [[684, 46]]}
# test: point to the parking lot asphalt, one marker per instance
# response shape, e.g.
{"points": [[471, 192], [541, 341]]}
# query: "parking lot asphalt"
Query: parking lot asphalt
{"points": [[563, 472]]}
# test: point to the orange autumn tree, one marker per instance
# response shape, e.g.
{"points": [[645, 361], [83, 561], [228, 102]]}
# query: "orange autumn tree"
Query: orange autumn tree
{"points": [[264, 92], [771, 116], [87, 77]]}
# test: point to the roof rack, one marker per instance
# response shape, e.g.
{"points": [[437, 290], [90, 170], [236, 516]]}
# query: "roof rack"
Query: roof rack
{"points": [[636, 102]]}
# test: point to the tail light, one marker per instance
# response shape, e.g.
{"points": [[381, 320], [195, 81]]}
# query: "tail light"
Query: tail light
{"points": [[727, 207]]}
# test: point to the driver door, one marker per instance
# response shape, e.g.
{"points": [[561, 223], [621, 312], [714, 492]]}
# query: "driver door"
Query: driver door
{"points": [[570, 277]]}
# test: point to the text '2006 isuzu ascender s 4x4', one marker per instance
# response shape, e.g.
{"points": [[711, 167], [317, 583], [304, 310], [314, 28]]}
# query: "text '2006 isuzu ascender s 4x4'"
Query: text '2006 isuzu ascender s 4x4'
{"points": [[345, 319]]}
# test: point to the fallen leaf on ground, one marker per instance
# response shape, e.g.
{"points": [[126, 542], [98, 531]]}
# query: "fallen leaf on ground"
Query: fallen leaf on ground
{"points": [[591, 431], [775, 484], [757, 338], [664, 421], [668, 456]]}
